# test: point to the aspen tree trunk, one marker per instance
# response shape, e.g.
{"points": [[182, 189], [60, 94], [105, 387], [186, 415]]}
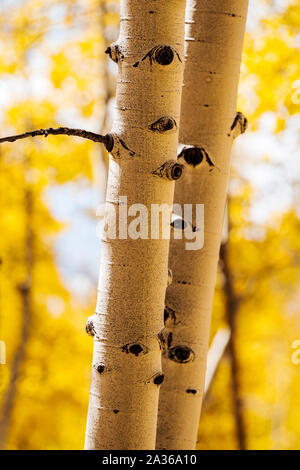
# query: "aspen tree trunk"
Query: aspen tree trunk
{"points": [[209, 122], [126, 371]]}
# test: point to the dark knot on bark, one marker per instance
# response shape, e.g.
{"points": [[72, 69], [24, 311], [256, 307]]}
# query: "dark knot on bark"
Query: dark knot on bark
{"points": [[194, 155], [192, 391], [109, 143], [178, 223], [135, 348], [163, 124], [99, 368], [181, 354], [114, 53], [239, 125], [170, 170], [116, 146], [89, 327], [158, 379], [161, 54]]}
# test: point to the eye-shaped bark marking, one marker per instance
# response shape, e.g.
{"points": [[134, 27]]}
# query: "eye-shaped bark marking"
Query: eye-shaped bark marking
{"points": [[181, 354], [135, 348], [178, 223], [193, 155], [162, 55], [170, 170], [239, 125], [114, 53], [163, 124]]}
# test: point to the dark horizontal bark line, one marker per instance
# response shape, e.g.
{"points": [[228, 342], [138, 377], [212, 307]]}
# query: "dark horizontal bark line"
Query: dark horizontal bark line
{"points": [[214, 12], [104, 139], [209, 72]]}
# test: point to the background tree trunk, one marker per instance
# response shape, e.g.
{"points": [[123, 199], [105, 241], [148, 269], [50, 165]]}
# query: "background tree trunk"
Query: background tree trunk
{"points": [[126, 371], [213, 45], [25, 293], [232, 302]]}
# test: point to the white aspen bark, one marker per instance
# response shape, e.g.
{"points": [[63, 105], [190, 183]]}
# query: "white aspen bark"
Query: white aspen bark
{"points": [[209, 122], [214, 355], [126, 371]]}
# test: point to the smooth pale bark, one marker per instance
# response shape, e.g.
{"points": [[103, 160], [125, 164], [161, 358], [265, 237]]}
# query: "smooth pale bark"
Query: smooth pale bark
{"points": [[213, 45], [215, 354], [126, 371]]}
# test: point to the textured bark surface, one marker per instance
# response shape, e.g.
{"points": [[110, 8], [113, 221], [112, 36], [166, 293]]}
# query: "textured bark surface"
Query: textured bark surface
{"points": [[126, 372], [213, 45]]}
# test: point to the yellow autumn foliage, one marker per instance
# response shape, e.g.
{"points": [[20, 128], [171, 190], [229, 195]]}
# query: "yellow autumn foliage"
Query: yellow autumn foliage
{"points": [[52, 71]]}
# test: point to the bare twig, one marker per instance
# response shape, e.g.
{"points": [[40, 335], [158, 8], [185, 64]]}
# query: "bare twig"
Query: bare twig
{"points": [[103, 139]]}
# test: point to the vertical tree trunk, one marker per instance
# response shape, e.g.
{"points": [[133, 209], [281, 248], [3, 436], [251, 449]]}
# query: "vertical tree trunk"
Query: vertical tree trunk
{"points": [[213, 46], [126, 371], [18, 359], [100, 162], [232, 303], [214, 357]]}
